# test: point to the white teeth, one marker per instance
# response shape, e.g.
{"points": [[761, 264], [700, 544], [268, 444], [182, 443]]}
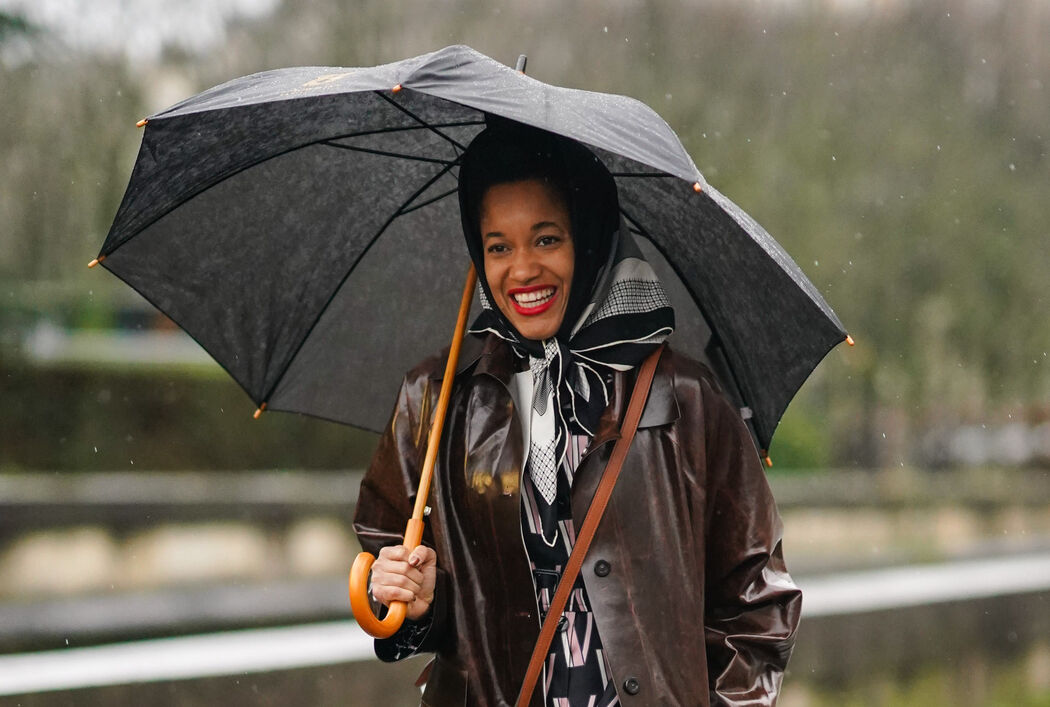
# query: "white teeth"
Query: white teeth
{"points": [[534, 298]]}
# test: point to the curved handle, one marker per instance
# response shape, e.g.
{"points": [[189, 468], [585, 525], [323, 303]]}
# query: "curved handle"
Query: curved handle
{"points": [[362, 606]]}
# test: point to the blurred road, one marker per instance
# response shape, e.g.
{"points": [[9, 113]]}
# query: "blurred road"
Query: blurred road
{"points": [[271, 649]]}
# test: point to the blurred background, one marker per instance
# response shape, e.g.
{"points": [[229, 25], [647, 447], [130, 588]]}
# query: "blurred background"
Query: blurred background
{"points": [[897, 149]]}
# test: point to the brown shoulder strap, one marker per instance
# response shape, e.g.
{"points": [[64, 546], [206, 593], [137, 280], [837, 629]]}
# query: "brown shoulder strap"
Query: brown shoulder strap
{"points": [[590, 524]]}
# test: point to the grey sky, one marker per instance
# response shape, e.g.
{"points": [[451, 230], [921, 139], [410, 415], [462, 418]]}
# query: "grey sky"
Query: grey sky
{"points": [[138, 28]]}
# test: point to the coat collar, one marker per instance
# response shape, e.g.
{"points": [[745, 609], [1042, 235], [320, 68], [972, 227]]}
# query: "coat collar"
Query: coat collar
{"points": [[491, 356]]}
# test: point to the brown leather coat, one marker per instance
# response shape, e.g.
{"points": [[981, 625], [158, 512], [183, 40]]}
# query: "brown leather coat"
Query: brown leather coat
{"points": [[692, 600]]}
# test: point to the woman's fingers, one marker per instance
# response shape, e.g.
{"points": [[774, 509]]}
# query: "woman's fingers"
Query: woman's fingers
{"points": [[396, 560], [412, 580], [400, 575], [422, 557]]}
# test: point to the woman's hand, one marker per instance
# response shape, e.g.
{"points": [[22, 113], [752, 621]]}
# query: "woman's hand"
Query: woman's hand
{"points": [[398, 575]]}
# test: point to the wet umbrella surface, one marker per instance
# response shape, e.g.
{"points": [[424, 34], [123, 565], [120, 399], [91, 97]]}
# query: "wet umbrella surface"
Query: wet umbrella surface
{"points": [[302, 226]]}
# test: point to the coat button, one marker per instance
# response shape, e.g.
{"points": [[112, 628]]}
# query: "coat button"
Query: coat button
{"points": [[602, 568], [631, 686]]}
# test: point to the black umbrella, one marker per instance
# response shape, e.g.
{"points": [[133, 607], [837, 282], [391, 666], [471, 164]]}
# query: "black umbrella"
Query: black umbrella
{"points": [[297, 224]]}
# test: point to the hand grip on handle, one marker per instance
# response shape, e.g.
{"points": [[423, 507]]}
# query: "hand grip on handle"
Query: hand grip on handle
{"points": [[359, 600]]}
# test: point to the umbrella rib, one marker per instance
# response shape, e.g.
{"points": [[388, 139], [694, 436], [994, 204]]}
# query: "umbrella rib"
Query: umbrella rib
{"points": [[320, 313], [403, 209], [422, 122], [384, 153], [405, 128], [648, 175], [428, 202]]}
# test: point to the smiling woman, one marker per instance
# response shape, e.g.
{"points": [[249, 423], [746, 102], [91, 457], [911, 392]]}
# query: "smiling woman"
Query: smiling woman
{"points": [[528, 255], [683, 593]]}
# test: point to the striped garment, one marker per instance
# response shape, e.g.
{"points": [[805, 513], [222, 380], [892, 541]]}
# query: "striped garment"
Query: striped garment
{"points": [[576, 673]]}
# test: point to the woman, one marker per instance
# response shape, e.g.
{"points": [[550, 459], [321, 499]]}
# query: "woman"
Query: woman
{"points": [[683, 597]]}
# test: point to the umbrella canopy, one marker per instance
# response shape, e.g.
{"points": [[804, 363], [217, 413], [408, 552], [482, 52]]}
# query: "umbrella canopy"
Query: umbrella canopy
{"points": [[298, 224]]}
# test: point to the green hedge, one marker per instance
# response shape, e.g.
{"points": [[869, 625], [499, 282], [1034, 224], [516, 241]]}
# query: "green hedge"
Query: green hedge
{"points": [[62, 419]]}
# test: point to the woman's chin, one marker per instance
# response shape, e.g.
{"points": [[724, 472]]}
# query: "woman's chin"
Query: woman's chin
{"points": [[536, 330]]}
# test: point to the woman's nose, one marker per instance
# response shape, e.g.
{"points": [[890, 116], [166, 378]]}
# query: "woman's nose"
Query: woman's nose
{"points": [[525, 266]]}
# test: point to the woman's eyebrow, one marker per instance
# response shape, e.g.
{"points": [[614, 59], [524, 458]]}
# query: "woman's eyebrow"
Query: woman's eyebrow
{"points": [[492, 234], [545, 224]]}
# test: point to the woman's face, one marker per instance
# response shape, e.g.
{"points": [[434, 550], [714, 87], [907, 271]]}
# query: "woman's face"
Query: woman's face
{"points": [[529, 256]]}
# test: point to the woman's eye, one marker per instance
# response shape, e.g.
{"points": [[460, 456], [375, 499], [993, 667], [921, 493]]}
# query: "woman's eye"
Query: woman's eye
{"points": [[496, 248], [547, 240]]}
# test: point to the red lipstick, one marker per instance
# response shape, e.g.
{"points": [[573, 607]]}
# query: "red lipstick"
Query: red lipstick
{"points": [[536, 309]]}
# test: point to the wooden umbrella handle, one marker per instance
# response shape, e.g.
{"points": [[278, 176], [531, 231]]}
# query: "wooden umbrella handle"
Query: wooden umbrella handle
{"points": [[359, 601]]}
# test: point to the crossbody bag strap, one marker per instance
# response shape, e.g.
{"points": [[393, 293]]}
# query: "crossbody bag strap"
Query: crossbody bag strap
{"points": [[590, 524]]}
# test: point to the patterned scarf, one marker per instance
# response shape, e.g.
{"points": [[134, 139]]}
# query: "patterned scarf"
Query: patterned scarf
{"points": [[627, 315]]}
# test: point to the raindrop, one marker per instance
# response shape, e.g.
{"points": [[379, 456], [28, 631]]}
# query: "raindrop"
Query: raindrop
{"points": [[884, 435], [96, 450], [938, 148], [605, 29], [833, 158], [1013, 168], [67, 641]]}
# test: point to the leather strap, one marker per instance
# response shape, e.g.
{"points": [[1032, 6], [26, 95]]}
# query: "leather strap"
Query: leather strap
{"points": [[590, 524]]}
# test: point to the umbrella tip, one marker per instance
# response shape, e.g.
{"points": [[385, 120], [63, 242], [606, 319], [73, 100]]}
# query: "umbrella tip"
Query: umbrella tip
{"points": [[142, 123], [520, 66], [697, 187], [258, 411], [396, 88], [96, 261], [766, 460], [849, 340]]}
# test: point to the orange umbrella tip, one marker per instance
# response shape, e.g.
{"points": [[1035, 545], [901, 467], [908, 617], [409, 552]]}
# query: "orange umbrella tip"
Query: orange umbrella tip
{"points": [[396, 88], [96, 261], [849, 340], [258, 412], [768, 461], [697, 187], [141, 123]]}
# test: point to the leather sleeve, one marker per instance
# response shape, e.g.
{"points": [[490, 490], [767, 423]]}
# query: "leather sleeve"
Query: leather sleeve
{"points": [[752, 606], [385, 503]]}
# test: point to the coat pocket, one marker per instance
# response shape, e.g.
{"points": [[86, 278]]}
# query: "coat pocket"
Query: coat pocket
{"points": [[446, 686]]}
